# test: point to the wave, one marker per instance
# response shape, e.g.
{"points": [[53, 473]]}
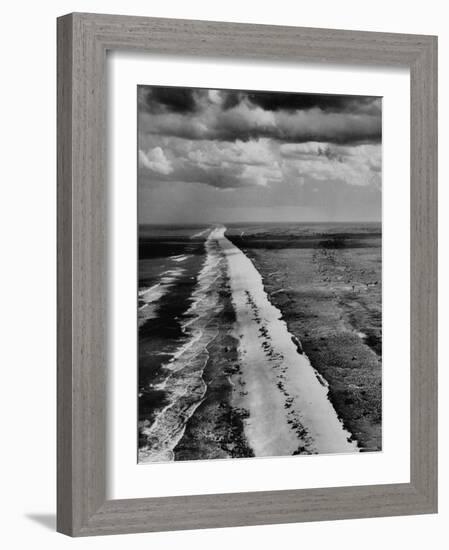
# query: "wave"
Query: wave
{"points": [[149, 297], [202, 233], [287, 400], [183, 383], [180, 258]]}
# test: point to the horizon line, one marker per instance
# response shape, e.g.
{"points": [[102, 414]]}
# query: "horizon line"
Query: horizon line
{"points": [[261, 221]]}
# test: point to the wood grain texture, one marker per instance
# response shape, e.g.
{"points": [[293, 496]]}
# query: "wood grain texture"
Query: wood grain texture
{"points": [[83, 40], [423, 287], [64, 277]]}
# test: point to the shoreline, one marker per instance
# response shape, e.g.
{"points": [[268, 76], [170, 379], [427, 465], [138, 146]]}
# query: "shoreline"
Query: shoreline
{"points": [[215, 430], [289, 409], [290, 360], [183, 384]]}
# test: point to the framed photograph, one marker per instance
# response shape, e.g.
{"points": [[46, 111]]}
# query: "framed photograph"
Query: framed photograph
{"points": [[247, 248]]}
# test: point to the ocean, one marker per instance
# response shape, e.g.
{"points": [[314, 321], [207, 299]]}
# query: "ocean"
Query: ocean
{"points": [[259, 340]]}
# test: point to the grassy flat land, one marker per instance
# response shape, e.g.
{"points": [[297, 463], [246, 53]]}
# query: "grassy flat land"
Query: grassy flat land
{"points": [[331, 301]]}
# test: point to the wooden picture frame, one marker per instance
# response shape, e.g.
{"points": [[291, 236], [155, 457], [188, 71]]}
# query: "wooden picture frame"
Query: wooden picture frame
{"points": [[83, 40]]}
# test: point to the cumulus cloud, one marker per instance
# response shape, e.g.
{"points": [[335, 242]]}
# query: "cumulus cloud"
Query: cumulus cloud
{"points": [[218, 164], [155, 160], [280, 147], [356, 165]]}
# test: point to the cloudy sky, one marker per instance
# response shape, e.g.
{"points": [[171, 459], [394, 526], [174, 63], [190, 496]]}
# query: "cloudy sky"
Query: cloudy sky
{"points": [[230, 156]]}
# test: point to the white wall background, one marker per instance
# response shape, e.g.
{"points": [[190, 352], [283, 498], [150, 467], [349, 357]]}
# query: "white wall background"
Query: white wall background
{"points": [[27, 303]]}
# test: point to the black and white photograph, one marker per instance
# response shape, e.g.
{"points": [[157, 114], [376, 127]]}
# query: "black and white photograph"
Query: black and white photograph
{"points": [[259, 307], [220, 297]]}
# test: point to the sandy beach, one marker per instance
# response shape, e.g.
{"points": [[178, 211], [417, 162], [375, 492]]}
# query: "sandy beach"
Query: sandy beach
{"points": [[289, 411], [330, 298], [273, 358], [259, 273]]}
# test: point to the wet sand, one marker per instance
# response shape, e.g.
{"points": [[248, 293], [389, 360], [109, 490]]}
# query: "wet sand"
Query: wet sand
{"points": [[263, 397], [216, 428]]}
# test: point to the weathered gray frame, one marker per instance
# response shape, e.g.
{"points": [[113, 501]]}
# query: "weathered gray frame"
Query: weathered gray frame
{"points": [[83, 40]]}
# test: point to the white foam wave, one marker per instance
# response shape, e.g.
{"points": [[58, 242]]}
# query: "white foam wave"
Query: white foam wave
{"points": [[180, 258], [201, 233], [183, 383], [149, 297]]}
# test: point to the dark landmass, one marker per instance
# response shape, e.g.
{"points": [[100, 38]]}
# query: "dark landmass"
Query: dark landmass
{"points": [[336, 240]]}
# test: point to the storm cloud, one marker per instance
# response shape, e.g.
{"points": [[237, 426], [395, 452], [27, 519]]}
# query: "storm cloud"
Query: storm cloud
{"points": [[261, 144], [230, 116], [275, 101], [169, 99]]}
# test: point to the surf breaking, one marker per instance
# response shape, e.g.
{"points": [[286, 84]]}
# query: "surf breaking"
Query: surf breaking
{"points": [[183, 381]]}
